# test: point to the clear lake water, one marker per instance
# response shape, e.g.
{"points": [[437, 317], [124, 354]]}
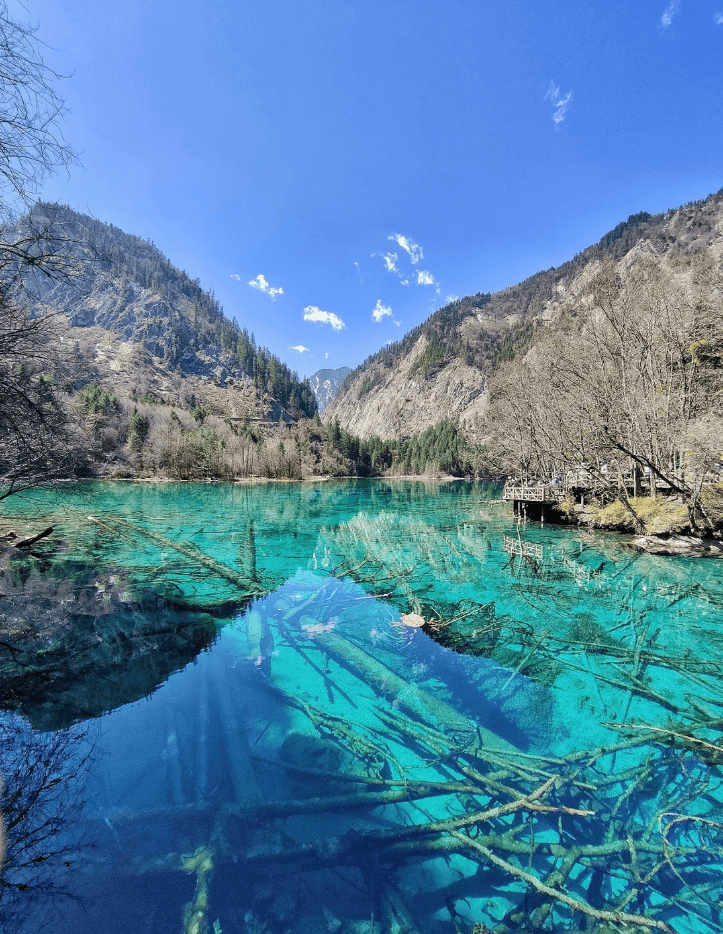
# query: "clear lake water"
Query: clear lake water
{"points": [[353, 706]]}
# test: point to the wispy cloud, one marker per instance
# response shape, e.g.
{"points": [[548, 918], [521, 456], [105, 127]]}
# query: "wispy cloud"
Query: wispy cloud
{"points": [[381, 311], [299, 348], [312, 313], [406, 243], [560, 103], [718, 17], [390, 261], [359, 273], [236, 277], [262, 285], [326, 355], [668, 13], [425, 278]]}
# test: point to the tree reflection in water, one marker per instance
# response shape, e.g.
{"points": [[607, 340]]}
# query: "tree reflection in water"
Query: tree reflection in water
{"points": [[44, 777]]}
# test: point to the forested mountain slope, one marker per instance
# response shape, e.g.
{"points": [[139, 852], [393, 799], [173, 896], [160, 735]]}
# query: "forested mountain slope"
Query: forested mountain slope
{"points": [[441, 369], [137, 323]]}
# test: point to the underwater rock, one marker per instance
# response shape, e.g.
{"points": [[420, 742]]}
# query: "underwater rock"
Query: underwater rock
{"points": [[306, 751], [332, 922], [362, 927]]}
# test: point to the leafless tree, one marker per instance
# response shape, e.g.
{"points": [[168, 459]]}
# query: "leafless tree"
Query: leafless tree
{"points": [[38, 440], [31, 112], [35, 432], [632, 379]]}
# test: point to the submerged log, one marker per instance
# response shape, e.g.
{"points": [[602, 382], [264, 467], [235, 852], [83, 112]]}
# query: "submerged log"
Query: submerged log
{"points": [[27, 542], [396, 914], [331, 686], [577, 904], [410, 698], [249, 585]]}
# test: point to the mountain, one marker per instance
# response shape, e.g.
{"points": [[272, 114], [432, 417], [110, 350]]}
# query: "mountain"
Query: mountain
{"points": [[326, 383], [441, 369], [137, 324]]}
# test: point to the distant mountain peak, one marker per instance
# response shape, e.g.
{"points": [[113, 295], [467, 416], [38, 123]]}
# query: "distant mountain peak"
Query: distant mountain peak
{"points": [[326, 384]]}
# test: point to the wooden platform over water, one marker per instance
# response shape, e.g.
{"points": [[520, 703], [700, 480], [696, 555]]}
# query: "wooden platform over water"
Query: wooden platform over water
{"points": [[530, 497], [533, 493]]}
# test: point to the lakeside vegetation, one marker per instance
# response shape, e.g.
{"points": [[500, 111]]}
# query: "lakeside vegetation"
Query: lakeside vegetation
{"points": [[627, 383], [151, 436]]}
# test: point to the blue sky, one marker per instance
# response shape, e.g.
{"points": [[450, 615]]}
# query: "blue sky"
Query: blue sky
{"points": [[337, 169]]}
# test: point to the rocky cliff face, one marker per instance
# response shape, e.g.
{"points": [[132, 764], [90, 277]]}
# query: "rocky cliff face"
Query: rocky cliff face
{"points": [[402, 401], [441, 369]]}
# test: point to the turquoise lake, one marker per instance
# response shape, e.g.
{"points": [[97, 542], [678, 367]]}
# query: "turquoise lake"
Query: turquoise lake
{"points": [[353, 706]]}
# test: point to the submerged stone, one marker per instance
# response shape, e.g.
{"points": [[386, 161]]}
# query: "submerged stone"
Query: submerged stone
{"points": [[306, 751]]}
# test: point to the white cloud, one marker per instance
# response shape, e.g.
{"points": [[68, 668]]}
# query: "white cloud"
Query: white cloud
{"points": [[299, 348], [359, 273], [237, 278], [425, 278], [312, 313], [381, 311], [671, 9], [452, 298], [390, 261], [415, 251], [262, 285], [404, 281], [326, 355], [560, 103], [718, 17]]}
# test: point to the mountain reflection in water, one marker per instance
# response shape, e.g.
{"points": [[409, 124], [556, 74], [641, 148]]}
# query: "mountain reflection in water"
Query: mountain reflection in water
{"points": [[415, 716]]}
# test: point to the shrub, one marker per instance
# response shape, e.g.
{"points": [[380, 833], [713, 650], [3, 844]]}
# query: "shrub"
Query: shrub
{"points": [[659, 515], [199, 413]]}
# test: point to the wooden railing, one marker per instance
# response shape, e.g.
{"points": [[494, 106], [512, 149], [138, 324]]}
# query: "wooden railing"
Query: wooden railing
{"points": [[533, 493]]}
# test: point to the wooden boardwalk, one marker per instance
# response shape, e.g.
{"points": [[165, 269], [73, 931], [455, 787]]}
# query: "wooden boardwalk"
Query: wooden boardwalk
{"points": [[533, 493], [577, 482]]}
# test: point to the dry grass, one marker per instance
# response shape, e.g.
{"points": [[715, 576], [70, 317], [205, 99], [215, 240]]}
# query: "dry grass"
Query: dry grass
{"points": [[659, 515]]}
